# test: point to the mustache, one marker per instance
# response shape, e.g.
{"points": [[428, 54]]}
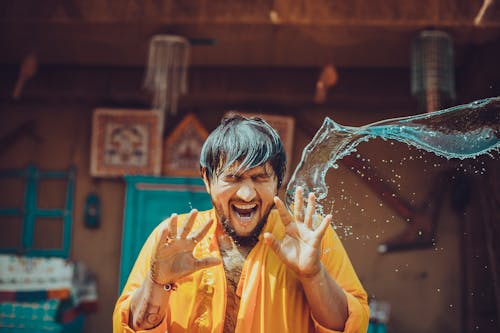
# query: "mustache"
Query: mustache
{"points": [[249, 240]]}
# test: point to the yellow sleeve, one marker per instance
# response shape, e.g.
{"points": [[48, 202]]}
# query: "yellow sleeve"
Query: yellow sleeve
{"points": [[336, 261], [135, 279]]}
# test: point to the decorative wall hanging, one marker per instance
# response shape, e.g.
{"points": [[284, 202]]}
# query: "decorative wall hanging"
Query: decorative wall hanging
{"points": [[125, 142], [28, 69], [327, 79], [181, 151], [433, 70], [285, 126], [166, 75]]}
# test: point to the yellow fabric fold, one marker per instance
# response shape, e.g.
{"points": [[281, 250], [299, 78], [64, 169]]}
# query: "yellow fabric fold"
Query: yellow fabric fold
{"points": [[272, 299]]}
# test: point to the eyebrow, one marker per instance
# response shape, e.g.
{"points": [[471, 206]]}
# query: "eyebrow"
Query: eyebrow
{"points": [[239, 173]]}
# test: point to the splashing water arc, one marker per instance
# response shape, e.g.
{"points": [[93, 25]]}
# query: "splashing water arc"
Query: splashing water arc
{"points": [[463, 131]]}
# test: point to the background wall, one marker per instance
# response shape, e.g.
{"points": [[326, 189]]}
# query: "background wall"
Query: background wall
{"points": [[424, 287]]}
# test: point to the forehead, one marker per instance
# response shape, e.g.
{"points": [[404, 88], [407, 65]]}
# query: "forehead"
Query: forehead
{"points": [[237, 169]]}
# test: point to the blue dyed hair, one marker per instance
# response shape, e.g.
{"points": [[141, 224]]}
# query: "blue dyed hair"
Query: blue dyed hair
{"points": [[250, 141]]}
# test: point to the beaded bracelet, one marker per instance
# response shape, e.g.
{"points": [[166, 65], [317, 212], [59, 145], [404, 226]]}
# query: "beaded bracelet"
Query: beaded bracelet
{"points": [[171, 286]]}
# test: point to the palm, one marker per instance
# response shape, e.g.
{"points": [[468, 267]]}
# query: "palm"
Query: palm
{"points": [[173, 256], [175, 260], [300, 248]]}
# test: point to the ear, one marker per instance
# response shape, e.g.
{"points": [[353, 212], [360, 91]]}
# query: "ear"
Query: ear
{"points": [[203, 174]]}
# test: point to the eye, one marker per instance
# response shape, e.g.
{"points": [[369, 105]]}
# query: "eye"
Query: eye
{"points": [[231, 178], [261, 178]]}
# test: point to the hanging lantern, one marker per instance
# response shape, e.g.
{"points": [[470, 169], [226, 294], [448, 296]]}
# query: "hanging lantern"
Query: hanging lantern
{"points": [[166, 75], [432, 70]]}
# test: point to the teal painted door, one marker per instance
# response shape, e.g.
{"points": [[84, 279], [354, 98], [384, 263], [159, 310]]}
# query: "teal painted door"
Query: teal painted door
{"points": [[148, 201]]}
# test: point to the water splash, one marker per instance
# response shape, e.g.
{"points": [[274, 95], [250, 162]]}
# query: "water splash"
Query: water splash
{"points": [[464, 131]]}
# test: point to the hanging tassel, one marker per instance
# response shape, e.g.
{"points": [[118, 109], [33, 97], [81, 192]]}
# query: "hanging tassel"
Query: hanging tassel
{"points": [[432, 70], [166, 75]]}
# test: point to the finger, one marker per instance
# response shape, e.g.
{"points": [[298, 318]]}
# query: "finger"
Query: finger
{"points": [[273, 243], [320, 231], [164, 233], [311, 209], [206, 262], [172, 226], [188, 225], [199, 234], [298, 204], [285, 216], [164, 237]]}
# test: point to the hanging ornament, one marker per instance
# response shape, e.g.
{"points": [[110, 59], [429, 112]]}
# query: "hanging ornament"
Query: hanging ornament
{"points": [[166, 75], [432, 70], [328, 78], [92, 211], [28, 69]]}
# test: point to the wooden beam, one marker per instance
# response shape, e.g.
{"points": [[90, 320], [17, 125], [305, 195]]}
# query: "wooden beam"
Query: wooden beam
{"points": [[321, 12]]}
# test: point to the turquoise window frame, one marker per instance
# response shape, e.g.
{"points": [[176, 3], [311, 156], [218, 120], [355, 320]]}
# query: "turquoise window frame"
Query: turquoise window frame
{"points": [[30, 212]]}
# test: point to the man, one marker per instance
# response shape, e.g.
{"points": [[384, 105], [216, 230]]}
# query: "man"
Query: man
{"points": [[247, 265]]}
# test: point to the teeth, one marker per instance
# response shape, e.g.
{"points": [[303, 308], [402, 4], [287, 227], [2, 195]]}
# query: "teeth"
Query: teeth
{"points": [[245, 206]]}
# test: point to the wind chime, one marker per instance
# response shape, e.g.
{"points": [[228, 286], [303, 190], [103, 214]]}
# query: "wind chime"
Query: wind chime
{"points": [[432, 70], [166, 75]]}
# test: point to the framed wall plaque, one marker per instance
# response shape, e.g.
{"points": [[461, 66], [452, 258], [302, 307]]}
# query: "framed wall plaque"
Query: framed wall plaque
{"points": [[181, 150], [125, 142]]}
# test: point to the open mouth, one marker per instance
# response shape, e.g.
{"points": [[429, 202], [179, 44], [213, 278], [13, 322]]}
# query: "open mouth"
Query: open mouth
{"points": [[244, 212]]}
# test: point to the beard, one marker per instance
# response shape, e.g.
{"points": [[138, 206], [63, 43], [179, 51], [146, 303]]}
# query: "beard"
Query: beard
{"points": [[249, 240]]}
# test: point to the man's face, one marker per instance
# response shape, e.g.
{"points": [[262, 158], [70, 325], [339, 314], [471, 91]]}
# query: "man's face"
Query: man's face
{"points": [[243, 200]]}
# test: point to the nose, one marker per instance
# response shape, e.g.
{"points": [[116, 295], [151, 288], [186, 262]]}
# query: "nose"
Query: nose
{"points": [[246, 191]]}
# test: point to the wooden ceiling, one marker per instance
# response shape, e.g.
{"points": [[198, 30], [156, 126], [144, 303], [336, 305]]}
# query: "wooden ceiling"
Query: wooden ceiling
{"points": [[263, 33]]}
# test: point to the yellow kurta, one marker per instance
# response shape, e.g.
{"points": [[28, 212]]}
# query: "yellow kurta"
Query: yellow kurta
{"points": [[272, 299]]}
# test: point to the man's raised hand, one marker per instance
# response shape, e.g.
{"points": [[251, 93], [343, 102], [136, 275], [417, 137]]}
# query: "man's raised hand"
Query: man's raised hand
{"points": [[300, 248], [173, 258]]}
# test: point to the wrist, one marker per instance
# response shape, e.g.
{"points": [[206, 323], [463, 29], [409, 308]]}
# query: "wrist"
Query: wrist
{"points": [[169, 286], [311, 277]]}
